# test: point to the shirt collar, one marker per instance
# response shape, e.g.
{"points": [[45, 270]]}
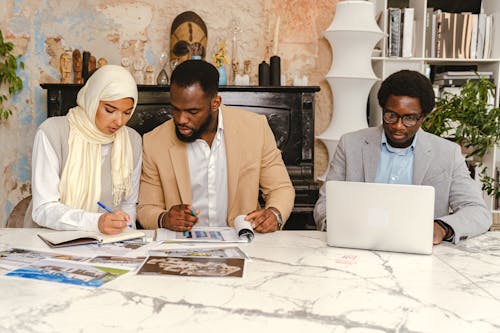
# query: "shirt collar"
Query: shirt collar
{"points": [[218, 133], [220, 123], [392, 149]]}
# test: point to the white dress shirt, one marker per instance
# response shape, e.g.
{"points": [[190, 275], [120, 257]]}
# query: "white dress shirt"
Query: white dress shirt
{"points": [[208, 174], [48, 211]]}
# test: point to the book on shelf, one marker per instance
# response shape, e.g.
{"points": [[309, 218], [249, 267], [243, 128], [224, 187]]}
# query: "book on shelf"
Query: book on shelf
{"points": [[56, 239], [438, 15], [394, 24], [428, 32], [488, 34], [407, 33], [481, 29], [464, 36], [433, 36], [446, 36], [473, 41]]}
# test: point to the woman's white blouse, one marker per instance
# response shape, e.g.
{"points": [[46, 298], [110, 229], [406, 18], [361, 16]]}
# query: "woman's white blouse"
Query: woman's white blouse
{"points": [[48, 211]]}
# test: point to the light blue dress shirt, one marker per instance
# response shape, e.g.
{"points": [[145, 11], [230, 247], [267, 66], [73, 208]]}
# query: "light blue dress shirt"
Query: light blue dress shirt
{"points": [[396, 164]]}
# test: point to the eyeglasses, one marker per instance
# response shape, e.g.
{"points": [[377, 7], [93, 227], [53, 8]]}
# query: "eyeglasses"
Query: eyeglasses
{"points": [[409, 120]]}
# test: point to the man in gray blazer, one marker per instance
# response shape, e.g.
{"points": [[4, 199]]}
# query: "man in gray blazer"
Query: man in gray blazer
{"points": [[400, 152]]}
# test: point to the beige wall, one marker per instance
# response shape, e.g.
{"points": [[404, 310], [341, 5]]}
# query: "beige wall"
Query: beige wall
{"points": [[43, 29]]}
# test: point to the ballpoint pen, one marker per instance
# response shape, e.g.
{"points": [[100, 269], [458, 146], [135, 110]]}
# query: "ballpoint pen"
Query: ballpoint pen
{"points": [[103, 206], [193, 212]]}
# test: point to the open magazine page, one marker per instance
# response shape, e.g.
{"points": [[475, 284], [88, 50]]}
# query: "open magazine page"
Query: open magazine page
{"points": [[241, 233], [127, 263], [199, 252], [68, 272], [192, 266], [201, 234], [130, 248], [14, 258]]}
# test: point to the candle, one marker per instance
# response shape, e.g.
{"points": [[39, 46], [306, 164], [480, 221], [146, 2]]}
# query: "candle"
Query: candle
{"points": [[276, 36]]}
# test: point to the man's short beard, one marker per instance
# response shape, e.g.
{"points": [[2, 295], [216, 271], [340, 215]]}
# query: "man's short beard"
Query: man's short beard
{"points": [[196, 134]]}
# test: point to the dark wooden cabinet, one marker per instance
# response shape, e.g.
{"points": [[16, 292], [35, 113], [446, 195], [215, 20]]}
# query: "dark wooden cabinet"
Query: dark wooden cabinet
{"points": [[289, 110]]}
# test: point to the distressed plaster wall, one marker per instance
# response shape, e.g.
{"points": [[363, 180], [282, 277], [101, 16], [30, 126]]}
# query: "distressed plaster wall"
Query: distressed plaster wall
{"points": [[42, 29]]}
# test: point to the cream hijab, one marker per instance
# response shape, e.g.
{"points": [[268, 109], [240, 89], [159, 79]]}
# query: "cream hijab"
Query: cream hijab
{"points": [[80, 185]]}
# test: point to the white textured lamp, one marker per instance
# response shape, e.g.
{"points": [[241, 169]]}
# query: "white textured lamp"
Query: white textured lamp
{"points": [[352, 35]]}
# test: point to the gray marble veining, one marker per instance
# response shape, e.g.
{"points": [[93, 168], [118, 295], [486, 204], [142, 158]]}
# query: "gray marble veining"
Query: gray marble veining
{"points": [[292, 283]]}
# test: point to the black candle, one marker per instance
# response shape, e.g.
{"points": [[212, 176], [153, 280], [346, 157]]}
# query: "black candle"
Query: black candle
{"points": [[264, 74], [85, 67], [275, 71]]}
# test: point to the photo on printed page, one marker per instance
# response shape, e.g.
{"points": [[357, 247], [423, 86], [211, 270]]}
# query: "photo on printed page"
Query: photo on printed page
{"points": [[14, 258], [215, 267], [120, 262], [67, 272], [205, 252]]}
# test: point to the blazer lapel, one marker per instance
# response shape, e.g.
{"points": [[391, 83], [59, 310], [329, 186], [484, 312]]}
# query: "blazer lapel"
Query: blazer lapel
{"points": [[422, 158], [233, 149], [371, 154], [179, 159]]}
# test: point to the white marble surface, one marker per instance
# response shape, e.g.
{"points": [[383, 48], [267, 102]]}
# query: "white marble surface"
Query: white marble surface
{"points": [[293, 283]]}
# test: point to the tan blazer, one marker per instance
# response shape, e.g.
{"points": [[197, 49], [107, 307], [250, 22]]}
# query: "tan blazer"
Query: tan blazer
{"points": [[253, 162]]}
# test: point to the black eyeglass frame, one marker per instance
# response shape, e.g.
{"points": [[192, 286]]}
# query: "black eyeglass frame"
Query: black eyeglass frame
{"points": [[405, 118]]}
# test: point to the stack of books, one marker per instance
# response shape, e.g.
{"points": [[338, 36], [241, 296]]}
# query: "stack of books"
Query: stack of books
{"points": [[459, 78], [458, 35]]}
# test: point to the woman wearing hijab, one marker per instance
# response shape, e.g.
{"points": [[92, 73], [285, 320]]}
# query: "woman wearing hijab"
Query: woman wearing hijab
{"points": [[87, 156]]}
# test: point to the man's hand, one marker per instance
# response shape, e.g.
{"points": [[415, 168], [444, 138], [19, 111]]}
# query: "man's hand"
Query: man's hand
{"points": [[179, 218], [112, 224], [439, 234], [263, 220]]}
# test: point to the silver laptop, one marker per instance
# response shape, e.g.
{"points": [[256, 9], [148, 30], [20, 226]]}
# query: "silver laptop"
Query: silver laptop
{"points": [[384, 217]]}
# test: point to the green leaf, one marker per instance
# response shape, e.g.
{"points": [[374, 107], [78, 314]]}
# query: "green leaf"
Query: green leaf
{"points": [[476, 122], [8, 76]]}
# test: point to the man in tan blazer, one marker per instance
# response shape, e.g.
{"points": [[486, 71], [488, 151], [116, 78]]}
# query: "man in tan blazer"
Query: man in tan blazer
{"points": [[206, 166]]}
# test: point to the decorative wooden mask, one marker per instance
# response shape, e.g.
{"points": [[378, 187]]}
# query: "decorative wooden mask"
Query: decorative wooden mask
{"points": [[188, 37]]}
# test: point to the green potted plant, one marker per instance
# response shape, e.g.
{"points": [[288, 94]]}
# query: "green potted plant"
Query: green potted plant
{"points": [[8, 76], [471, 120]]}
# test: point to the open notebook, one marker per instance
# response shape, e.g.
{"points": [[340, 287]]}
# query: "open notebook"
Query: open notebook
{"points": [[71, 238]]}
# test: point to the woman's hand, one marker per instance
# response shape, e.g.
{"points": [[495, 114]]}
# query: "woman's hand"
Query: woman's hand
{"points": [[112, 224]]}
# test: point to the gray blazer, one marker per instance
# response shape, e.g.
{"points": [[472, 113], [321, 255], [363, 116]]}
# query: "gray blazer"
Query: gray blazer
{"points": [[438, 163]]}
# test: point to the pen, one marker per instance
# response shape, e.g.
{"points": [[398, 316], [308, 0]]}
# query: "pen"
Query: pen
{"points": [[193, 212], [103, 206]]}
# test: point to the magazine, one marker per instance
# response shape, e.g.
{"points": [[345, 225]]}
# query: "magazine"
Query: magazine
{"points": [[241, 233], [119, 262], [204, 252], [14, 258], [192, 266], [68, 272]]}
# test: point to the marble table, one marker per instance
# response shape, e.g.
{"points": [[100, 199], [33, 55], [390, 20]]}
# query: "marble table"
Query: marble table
{"points": [[293, 283]]}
